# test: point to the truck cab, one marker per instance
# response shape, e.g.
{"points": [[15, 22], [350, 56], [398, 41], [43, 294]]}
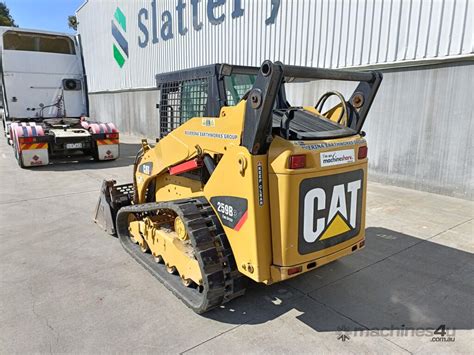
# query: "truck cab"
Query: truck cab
{"points": [[45, 99]]}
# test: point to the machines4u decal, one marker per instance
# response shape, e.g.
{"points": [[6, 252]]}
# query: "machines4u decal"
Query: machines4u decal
{"points": [[329, 210]]}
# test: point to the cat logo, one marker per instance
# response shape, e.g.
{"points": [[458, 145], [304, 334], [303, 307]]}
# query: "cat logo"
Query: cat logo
{"points": [[146, 168], [330, 210]]}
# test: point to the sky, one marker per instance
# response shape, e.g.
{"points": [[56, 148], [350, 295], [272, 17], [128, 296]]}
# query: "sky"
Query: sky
{"points": [[48, 15]]}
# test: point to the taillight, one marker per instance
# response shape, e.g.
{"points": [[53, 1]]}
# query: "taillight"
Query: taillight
{"points": [[362, 152], [295, 270], [26, 140], [112, 135], [297, 161]]}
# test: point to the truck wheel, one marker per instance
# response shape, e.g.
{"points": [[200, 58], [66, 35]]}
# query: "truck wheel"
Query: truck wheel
{"points": [[19, 159], [87, 152], [91, 152]]}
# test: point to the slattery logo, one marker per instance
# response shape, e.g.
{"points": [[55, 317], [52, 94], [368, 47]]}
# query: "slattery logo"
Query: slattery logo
{"points": [[119, 31], [158, 23]]}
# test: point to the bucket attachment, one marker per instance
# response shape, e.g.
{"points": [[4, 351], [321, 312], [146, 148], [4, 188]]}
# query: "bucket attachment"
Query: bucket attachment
{"points": [[112, 198]]}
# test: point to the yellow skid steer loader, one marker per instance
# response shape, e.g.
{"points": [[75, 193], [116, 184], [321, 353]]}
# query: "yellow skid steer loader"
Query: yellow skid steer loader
{"points": [[242, 184]]}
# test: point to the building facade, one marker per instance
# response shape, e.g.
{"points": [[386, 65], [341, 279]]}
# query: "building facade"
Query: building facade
{"points": [[420, 126]]}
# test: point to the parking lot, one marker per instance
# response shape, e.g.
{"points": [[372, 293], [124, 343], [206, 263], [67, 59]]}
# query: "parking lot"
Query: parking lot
{"points": [[66, 286]]}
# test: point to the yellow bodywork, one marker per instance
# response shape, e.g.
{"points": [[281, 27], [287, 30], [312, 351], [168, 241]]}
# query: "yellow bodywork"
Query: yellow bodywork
{"points": [[265, 245], [284, 191]]}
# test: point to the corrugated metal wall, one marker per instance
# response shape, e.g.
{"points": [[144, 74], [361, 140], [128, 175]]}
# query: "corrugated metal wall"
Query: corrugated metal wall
{"points": [[324, 33]]}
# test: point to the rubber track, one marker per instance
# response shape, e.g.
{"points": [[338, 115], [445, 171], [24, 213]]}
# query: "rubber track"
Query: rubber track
{"points": [[221, 279]]}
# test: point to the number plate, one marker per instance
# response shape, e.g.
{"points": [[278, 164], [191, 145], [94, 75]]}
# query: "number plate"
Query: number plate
{"points": [[73, 145]]}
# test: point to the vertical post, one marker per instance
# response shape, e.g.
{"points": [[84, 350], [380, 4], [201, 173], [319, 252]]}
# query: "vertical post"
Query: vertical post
{"points": [[256, 136]]}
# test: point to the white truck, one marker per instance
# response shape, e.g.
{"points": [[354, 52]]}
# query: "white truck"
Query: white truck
{"points": [[44, 98]]}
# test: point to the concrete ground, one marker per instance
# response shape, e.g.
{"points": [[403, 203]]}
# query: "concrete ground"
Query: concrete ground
{"points": [[68, 287]]}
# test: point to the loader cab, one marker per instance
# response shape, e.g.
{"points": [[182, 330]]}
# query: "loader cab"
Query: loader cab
{"points": [[203, 91]]}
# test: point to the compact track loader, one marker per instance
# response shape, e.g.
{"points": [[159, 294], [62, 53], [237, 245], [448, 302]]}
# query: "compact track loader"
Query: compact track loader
{"points": [[242, 184]]}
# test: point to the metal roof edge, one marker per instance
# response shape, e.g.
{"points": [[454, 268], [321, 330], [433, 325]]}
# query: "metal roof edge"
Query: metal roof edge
{"points": [[413, 63], [391, 65], [4, 29], [80, 7]]}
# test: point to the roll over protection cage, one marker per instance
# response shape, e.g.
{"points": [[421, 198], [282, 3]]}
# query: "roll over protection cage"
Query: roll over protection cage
{"points": [[266, 94], [267, 88], [213, 74]]}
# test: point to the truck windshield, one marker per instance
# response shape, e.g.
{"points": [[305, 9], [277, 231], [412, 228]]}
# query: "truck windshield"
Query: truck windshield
{"points": [[37, 42]]}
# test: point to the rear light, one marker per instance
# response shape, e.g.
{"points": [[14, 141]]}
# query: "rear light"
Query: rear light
{"points": [[112, 135], [362, 152], [297, 161], [26, 140], [361, 244], [295, 270]]}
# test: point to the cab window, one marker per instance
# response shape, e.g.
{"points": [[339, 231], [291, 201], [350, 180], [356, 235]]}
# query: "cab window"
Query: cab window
{"points": [[236, 85]]}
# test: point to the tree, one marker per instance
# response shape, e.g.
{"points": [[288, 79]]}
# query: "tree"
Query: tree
{"points": [[5, 18], [72, 22]]}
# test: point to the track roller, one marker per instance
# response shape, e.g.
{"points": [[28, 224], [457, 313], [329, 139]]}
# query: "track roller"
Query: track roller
{"points": [[171, 269], [186, 282]]}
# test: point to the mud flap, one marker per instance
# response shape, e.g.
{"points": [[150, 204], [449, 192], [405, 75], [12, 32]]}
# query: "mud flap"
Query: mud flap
{"points": [[112, 198], [30, 144], [34, 157], [107, 151], [106, 137]]}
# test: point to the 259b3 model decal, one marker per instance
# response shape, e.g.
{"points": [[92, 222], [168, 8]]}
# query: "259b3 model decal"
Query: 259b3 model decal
{"points": [[329, 210], [231, 210]]}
